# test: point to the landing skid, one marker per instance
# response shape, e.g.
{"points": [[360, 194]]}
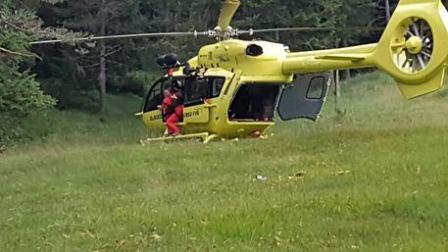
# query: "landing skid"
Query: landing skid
{"points": [[204, 137]]}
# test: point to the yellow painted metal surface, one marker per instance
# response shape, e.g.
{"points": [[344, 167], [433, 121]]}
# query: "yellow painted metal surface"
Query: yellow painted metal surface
{"points": [[153, 120], [204, 136], [196, 114], [229, 9]]}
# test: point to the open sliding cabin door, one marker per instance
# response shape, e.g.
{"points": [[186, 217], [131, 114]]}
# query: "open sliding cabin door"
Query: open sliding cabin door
{"points": [[305, 97]]}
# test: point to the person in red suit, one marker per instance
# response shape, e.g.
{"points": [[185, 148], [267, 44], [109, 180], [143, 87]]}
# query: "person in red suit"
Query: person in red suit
{"points": [[167, 108], [177, 113], [179, 108], [167, 104]]}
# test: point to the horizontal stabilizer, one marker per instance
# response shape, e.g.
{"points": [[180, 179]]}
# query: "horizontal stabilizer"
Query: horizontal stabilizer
{"points": [[350, 57]]}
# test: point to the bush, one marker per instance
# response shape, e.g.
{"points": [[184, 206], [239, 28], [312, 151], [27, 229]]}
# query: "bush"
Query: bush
{"points": [[138, 82], [71, 96], [14, 129], [20, 95]]}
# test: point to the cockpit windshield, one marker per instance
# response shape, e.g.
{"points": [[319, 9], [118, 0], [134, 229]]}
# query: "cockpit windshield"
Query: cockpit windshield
{"points": [[155, 94]]}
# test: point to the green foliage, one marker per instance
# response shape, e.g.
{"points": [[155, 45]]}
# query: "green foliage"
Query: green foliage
{"points": [[20, 96], [20, 93], [138, 82], [71, 96], [303, 13]]}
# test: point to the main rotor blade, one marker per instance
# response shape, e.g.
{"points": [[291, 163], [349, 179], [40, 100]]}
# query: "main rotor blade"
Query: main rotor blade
{"points": [[123, 36], [196, 34], [309, 29], [228, 10]]}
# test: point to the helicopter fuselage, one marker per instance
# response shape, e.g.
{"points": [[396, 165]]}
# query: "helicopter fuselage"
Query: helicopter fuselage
{"points": [[250, 67]]}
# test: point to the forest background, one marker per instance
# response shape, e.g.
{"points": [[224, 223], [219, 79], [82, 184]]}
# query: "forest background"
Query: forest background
{"points": [[35, 78]]}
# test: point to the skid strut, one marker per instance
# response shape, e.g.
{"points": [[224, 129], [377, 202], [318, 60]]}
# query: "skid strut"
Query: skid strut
{"points": [[204, 137]]}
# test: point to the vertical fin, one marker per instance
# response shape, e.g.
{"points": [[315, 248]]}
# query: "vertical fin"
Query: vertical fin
{"points": [[434, 84]]}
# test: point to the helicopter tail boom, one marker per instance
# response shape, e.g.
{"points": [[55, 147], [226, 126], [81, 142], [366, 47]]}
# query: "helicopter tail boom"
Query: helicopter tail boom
{"points": [[412, 50], [324, 60]]}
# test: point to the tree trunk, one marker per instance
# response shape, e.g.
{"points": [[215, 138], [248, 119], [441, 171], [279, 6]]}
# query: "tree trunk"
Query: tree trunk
{"points": [[337, 83], [277, 36], [102, 77], [387, 4], [337, 76], [348, 74], [168, 22]]}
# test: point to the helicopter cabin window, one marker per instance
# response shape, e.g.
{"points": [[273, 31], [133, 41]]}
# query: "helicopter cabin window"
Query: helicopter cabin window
{"points": [[255, 102], [216, 86], [198, 89], [316, 89]]}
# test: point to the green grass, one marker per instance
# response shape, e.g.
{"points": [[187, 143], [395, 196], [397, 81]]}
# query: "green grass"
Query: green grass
{"points": [[68, 128], [375, 179]]}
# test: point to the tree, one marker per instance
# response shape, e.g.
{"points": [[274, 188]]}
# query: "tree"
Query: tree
{"points": [[303, 13], [90, 67], [20, 93]]}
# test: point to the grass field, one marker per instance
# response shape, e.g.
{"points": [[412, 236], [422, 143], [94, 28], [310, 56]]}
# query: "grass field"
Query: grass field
{"points": [[371, 177]]}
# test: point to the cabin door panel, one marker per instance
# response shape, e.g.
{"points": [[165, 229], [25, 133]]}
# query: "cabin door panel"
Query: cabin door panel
{"points": [[305, 97]]}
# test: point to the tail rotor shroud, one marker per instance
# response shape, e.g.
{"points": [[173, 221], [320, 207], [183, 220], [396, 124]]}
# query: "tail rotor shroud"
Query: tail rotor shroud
{"points": [[416, 38], [414, 51]]}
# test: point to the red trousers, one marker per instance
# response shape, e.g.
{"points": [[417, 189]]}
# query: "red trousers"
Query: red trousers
{"points": [[171, 124]]}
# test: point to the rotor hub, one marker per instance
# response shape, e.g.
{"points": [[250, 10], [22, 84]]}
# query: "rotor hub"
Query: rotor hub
{"points": [[414, 45]]}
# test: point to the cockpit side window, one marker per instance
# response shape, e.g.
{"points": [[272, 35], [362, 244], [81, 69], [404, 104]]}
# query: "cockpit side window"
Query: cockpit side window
{"points": [[216, 85], [199, 89], [196, 89]]}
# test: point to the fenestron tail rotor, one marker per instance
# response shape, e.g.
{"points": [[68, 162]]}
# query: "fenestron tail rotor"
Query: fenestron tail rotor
{"points": [[414, 50], [413, 46]]}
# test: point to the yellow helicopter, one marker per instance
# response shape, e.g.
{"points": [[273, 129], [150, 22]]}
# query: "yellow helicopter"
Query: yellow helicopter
{"points": [[233, 88]]}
